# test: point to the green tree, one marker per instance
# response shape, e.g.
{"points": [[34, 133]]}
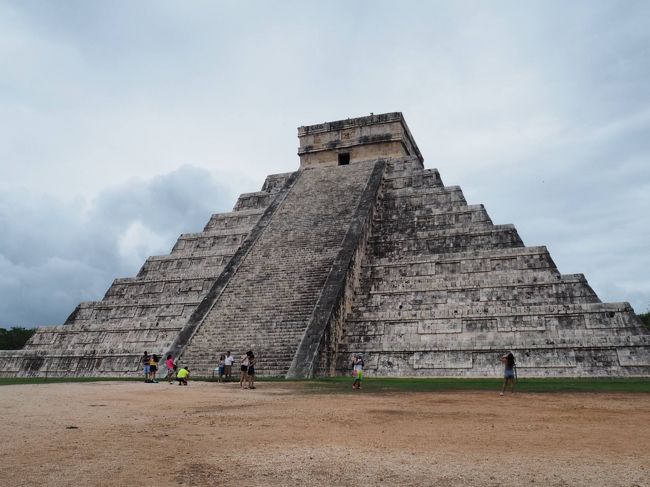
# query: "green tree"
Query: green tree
{"points": [[15, 338], [645, 318]]}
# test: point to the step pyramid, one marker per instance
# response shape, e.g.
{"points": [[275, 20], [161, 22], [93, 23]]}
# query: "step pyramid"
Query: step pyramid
{"points": [[361, 250]]}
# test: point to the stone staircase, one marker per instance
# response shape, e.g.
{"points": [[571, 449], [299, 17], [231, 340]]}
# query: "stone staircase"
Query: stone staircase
{"points": [[146, 312], [360, 250], [268, 302], [444, 291]]}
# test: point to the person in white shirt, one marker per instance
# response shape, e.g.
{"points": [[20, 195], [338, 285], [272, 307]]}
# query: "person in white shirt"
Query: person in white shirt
{"points": [[227, 365]]}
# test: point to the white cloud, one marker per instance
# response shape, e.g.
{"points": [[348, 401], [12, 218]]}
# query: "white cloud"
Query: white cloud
{"points": [[138, 242]]}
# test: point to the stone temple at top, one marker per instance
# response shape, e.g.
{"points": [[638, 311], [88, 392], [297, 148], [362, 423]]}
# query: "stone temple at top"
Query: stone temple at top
{"points": [[361, 250]]}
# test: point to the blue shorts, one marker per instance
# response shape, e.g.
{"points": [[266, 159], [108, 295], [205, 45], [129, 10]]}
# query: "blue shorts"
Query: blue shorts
{"points": [[146, 369], [509, 374]]}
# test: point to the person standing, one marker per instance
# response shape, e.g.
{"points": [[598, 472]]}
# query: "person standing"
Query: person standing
{"points": [[227, 366], [251, 369], [357, 371], [243, 371], [509, 372], [171, 368], [221, 368], [145, 364], [153, 368]]}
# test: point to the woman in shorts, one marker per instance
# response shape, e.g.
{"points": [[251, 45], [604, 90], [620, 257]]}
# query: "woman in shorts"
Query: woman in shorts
{"points": [[153, 368], [509, 372], [251, 369], [244, 371]]}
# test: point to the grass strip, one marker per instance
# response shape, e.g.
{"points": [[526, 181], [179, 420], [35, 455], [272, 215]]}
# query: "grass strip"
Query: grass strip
{"points": [[433, 384], [428, 384]]}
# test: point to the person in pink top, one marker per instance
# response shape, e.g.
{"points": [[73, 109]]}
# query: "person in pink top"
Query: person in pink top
{"points": [[171, 368]]}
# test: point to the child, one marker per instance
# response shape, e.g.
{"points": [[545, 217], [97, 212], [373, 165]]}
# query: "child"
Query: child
{"points": [[182, 376], [171, 367], [153, 368], [357, 371], [222, 367]]}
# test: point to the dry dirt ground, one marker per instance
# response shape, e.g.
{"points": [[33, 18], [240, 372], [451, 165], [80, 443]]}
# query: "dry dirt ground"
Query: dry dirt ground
{"points": [[285, 434]]}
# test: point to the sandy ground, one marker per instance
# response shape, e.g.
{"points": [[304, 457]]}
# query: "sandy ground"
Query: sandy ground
{"points": [[128, 433]]}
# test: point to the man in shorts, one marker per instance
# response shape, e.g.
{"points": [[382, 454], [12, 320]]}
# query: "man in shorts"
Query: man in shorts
{"points": [[227, 365]]}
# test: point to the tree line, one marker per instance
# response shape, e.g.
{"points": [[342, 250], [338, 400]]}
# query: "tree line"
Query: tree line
{"points": [[645, 317], [15, 337]]}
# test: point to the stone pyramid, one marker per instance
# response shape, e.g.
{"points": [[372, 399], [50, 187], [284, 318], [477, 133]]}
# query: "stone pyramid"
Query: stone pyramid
{"points": [[361, 250]]}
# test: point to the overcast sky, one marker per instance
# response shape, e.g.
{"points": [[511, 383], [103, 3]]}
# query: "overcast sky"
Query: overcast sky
{"points": [[124, 124]]}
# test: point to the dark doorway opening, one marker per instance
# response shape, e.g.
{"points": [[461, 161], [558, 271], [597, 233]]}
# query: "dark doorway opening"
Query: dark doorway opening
{"points": [[344, 159]]}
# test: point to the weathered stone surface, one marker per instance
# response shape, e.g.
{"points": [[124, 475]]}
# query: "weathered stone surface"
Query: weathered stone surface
{"points": [[147, 312], [362, 139], [375, 256], [446, 292], [269, 302]]}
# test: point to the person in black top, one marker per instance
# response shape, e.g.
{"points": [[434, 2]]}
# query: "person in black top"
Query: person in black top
{"points": [[250, 373], [145, 363]]}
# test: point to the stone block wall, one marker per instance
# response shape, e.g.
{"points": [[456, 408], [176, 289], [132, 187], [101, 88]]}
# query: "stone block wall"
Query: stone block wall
{"points": [[268, 302], [146, 312], [376, 256], [445, 292]]}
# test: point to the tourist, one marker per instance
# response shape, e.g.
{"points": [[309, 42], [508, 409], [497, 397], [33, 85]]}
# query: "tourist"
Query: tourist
{"points": [[153, 368], [244, 371], [221, 368], [227, 364], [357, 371], [171, 368], [145, 362], [182, 376], [509, 373], [251, 369]]}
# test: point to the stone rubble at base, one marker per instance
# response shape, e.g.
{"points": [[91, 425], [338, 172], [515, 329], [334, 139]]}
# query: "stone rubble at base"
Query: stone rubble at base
{"points": [[375, 257]]}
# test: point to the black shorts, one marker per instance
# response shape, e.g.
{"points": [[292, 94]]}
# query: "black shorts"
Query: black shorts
{"points": [[251, 370], [153, 368], [244, 368]]}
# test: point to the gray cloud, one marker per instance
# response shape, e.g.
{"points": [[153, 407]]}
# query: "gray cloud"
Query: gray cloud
{"points": [[539, 110], [55, 254]]}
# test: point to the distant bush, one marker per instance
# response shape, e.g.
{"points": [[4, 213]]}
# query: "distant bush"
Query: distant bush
{"points": [[15, 338]]}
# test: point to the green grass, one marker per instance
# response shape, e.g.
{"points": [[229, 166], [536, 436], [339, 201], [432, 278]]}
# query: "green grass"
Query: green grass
{"points": [[433, 384], [437, 384]]}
